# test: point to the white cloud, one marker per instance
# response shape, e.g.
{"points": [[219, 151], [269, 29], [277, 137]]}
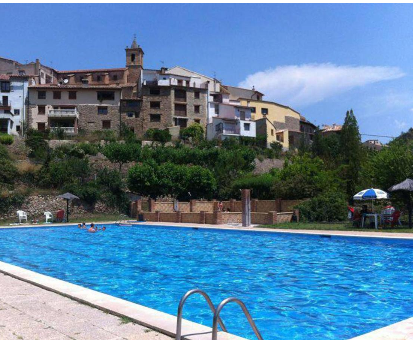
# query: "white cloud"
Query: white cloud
{"points": [[301, 85], [400, 124]]}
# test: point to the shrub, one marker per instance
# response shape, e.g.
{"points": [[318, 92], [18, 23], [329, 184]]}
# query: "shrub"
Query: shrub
{"points": [[106, 135], [8, 172], [89, 148], [326, 207], [150, 179], [121, 153], [58, 133], [6, 139], [261, 186], [35, 141], [88, 192], [157, 135], [9, 201], [194, 131], [4, 153]]}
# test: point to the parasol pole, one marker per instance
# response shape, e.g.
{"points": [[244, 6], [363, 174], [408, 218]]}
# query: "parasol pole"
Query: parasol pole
{"points": [[67, 210]]}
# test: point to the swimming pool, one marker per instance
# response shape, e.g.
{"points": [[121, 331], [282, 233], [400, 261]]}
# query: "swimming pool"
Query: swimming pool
{"points": [[295, 286]]}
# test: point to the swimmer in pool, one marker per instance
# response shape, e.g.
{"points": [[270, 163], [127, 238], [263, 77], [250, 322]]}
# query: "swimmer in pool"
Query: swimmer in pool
{"points": [[84, 226], [79, 226], [92, 228]]}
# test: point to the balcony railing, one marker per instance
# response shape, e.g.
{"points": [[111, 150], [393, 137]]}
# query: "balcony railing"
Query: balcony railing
{"points": [[5, 105], [67, 130], [60, 113], [175, 82]]}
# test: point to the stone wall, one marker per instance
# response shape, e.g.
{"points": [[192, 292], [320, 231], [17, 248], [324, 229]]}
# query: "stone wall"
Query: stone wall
{"points": [[36, 205], [90, 120]]}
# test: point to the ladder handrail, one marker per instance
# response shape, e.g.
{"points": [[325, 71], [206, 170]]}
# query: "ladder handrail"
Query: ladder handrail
{"points": [[246, 313], [181, 305]]}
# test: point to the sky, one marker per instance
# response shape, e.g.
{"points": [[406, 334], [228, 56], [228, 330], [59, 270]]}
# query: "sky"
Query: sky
{"points": [[320, 59]]}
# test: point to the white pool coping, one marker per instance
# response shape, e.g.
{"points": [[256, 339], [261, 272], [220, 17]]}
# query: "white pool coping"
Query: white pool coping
{"points": [[163, 322]]}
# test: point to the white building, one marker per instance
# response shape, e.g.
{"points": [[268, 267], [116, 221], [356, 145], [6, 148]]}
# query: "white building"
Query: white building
{"points": [[230, 121], [14, 94]]}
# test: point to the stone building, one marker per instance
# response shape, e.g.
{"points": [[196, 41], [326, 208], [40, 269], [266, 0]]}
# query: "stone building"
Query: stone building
{"points": [[89, 99], [170, 101]]}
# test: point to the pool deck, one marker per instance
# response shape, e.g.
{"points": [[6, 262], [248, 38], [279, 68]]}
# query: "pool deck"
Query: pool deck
{"points": [[29, 312], [35, 306]]}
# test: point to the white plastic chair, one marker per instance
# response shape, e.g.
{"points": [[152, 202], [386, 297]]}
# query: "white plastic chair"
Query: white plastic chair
{"points": [[48, 216], [21, 215]]}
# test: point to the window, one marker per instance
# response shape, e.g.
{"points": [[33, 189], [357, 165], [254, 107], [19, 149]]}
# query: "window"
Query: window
{"points": [[272, 132], [22, 72], [196, 108], [115, 77], [16, 112], [198, 121], [102, 110], [41, 94], [180, 110], [182, 123], [72, 94], [41, 109], [253, 109], [5, 86], [57, 94], [155, 91], [264, 111], [98, 78], [133, 57], [130, 114], [197, 95], [132, 103], [136, 114], [155, 118], [106, 124], [41, 126], [155, 105], [105, 95], [80, 77], [242, 115], [17, 128], [246, 126], [180, 95]]}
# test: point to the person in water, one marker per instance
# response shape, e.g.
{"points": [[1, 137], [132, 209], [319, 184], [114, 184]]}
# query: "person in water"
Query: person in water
{"points": [[92, 228], [79, 226], [84, 226], [103, 228]]}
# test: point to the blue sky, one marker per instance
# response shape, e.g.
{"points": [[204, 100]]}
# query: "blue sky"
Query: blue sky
{"points": [[320, 59]]}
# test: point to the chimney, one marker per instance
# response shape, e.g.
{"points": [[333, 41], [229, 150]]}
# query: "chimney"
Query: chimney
{"points": [[71, 78], [106, 78], [37, 67]]}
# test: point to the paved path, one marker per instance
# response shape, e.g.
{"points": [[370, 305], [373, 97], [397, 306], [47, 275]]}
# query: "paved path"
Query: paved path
{"points": [[28, 312]]}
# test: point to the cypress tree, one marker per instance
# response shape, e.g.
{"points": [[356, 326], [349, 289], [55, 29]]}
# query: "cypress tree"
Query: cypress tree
{"points": [[351, 152]]}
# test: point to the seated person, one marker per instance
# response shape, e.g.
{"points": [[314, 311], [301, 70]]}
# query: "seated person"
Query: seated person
{"points": [[356, 218]]}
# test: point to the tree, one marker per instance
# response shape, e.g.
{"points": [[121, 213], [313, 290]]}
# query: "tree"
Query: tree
{"points": [[121, 153], [194, 131], [351, 152], [304, 177], [157, 135]]}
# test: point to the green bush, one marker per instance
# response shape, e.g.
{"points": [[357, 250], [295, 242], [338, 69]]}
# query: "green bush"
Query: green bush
{"points": [[194, 131], [326, 207], [261, 186], [4, 153], [157, 135], [89, 148], [10, 201], [36, 142], [150, 179], [8, 172], [87, 192], [6, 139], [106, 135]]}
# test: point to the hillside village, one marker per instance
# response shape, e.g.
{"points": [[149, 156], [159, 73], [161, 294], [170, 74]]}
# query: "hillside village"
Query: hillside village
{"points": [[39, 97]]}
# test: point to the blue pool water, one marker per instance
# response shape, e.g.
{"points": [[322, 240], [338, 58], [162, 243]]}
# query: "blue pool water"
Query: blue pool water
{"points": [[295, 286]]}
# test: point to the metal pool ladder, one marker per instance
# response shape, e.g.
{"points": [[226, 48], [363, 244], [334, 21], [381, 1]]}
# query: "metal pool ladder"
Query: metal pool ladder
{"points": [[216, 318]]}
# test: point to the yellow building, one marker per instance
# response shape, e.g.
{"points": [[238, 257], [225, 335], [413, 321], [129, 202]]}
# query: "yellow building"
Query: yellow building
{"points": [[279, 123]]}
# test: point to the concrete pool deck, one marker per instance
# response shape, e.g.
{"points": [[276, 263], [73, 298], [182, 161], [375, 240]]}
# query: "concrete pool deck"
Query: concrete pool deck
{"points": [[39, 300]]}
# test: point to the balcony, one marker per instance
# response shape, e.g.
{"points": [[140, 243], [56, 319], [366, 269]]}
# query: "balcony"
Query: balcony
{"points": [[5, 105], [63, 113], [67, 130]]}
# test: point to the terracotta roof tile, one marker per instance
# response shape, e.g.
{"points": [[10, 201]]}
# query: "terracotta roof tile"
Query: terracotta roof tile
{"points": [[94, 70]]}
